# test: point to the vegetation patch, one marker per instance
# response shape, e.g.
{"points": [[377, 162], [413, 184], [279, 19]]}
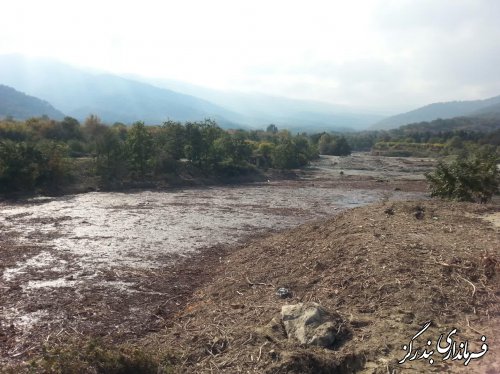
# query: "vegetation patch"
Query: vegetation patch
{"points": [[44, 155], [474, 178]]}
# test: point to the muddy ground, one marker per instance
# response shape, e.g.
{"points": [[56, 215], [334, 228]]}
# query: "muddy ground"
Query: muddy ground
{"points": [[123, 265]]}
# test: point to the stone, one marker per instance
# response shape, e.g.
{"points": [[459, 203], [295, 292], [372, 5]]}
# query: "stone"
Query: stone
{"points": [[284, 293], [311, 324], [273, 331]]}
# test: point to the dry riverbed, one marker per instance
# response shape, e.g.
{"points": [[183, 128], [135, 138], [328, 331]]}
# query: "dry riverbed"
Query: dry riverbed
{"points": [[121, 265]]}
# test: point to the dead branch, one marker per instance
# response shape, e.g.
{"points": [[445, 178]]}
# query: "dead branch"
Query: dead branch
{"points": [[468, 281], [257, 283]]}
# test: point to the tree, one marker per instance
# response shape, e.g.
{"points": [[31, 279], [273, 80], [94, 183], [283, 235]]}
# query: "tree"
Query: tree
{"points": [[173, 139], [140, 147], [26, 166], [19, 166], [111, 155], [284, 156], [263, 154], [341, 147], [71, 128], [272, 128], [325, 144], [193, 148], [335, 146], [54, 167], [474, 178], [93, 127]]}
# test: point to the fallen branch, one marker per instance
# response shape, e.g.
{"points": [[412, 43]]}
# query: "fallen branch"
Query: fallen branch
{"points": [[468, 281], [260, 351], [451, 265], [257, 283]]}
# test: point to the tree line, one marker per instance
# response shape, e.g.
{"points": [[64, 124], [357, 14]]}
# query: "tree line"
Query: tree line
{"points": [[440, 137], [41, 154], [46, 155]]}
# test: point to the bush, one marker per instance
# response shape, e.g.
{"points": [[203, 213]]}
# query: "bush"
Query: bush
{"points": [[335, 146], [19, 166], [473, 178], [28, 167]]}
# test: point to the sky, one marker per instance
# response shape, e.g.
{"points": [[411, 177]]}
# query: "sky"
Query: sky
{"points": [[380, 54]]}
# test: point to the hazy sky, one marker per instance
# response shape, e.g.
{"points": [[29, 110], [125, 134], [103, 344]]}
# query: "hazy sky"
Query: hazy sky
{"points": [[367, 53]]}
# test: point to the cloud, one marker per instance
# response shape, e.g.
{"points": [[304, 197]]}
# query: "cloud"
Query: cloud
{"points": [[415, 52], [393, 54]]}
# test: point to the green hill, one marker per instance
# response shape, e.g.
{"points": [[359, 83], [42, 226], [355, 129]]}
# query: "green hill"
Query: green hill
{"points": [[444, 110], [21, 106]]}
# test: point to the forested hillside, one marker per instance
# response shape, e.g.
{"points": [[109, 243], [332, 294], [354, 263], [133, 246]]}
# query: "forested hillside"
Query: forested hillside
{"points": [[438, 111], [18, 105], [439, 137]]}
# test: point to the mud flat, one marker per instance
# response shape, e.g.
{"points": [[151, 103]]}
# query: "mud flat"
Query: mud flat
{"points": [[120, 265]]}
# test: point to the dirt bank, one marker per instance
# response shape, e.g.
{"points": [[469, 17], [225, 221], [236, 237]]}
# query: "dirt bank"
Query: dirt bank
{"points": [[386, 268]]}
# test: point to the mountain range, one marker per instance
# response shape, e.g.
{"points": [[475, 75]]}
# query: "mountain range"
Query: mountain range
{"points": [[256, 109], [79, 92]]}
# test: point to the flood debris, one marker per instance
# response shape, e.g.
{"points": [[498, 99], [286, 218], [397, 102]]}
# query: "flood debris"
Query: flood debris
{"points": [[379, 289]]}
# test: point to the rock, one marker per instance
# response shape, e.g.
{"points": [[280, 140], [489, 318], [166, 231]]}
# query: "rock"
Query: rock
{"points": [[273, 354], [389, 211], [420, 212], [273, 331], [284, 293], [311, 324]]}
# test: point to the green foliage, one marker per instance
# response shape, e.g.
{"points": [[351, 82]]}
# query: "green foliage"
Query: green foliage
{"points": [[140, 148], [407, 149], [111, 161], [19, 166], [472, 178], [54, 168], [263, 153], [171, 139], [284, 157], [292, 153], [27, 167], [92, 130], [16, 131], [332, 145], [435, 138], [37, 154]]}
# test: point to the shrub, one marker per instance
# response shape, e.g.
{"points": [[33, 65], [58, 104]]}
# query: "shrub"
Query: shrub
{"points": [[472, 178]]}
